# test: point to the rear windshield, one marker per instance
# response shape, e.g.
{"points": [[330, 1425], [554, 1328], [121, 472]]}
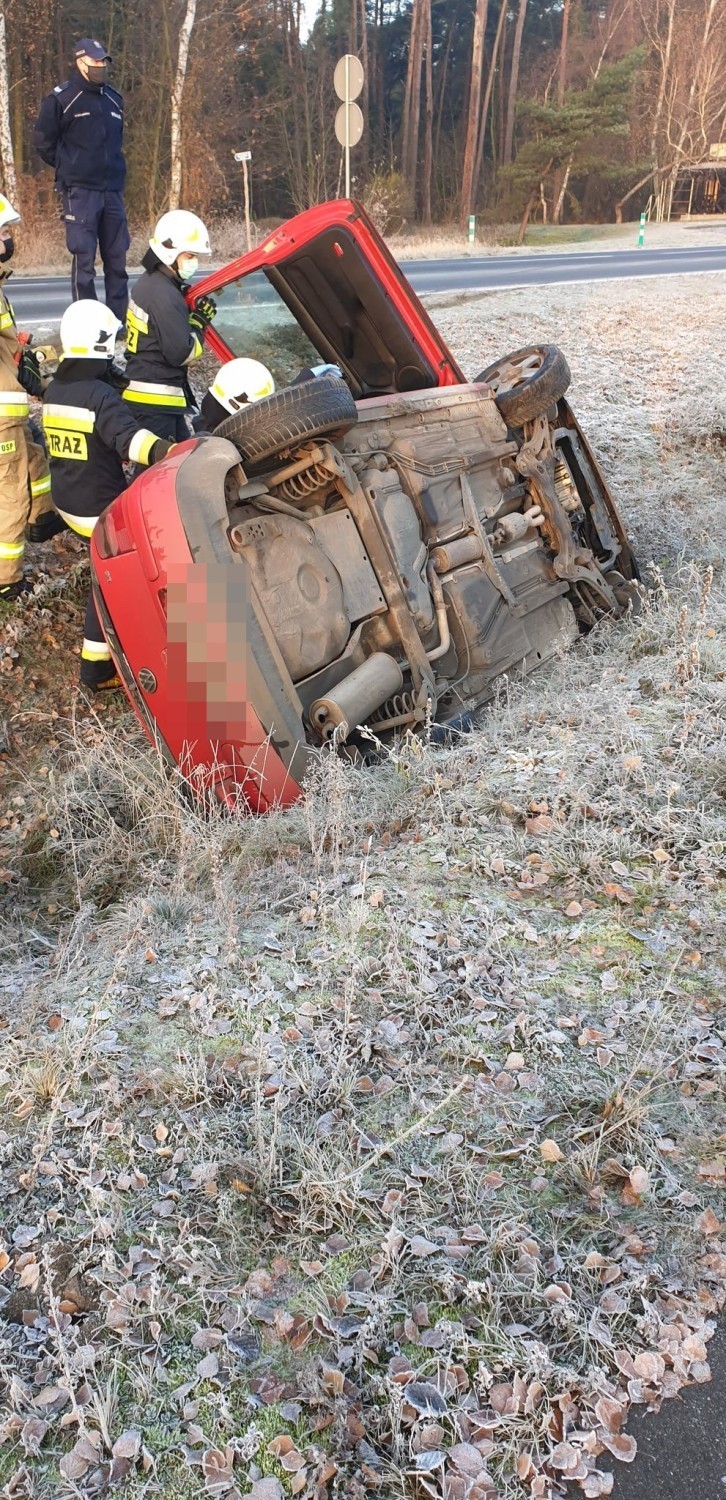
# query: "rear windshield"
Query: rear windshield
{"points": [[254, 322]]}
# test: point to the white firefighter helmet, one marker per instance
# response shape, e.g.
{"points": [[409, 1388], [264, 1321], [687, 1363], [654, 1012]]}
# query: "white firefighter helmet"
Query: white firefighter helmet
{"points": [[88, 331], [240, 382], [8, 214], [179, 233]]}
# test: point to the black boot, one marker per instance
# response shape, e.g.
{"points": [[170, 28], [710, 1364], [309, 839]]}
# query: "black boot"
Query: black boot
{"points": [[48, 525], [99, 676], [9, 592]]}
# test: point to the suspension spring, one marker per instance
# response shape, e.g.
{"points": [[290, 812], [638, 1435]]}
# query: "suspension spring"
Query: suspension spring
{"points": [[398, 709], [299, 486]]}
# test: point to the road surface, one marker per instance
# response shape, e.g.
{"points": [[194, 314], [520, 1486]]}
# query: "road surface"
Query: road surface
{"points": [[39, 301]]}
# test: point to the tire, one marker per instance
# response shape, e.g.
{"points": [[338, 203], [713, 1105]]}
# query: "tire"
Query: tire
{"points": [[527, 383], [315, 408]]}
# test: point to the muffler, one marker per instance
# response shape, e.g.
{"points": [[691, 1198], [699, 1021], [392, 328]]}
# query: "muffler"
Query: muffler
{"points": [[356, 697]]}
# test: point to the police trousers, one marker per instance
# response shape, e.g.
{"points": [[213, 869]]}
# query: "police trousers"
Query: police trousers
{"points": [[96, 220]]}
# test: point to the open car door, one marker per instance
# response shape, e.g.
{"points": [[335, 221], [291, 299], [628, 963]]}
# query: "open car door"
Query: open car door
{"points": [[324, 287]]}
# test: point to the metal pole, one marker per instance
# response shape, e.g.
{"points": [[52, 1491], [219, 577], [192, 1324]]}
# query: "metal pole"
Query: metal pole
{"points": [[347, 126], [247, 207]]}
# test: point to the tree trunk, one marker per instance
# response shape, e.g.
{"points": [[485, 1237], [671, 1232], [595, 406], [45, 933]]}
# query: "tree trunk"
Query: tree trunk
{"points": [[7, 156], [488, 95], [177, 93], [514, 82], [562, 70], [412, 98], [559, 205], [428, 163], [472, 127], [665, 56]]}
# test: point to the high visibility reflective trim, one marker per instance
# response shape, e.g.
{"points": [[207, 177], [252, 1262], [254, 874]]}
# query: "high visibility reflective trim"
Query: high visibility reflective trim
{"points": [[6, 320], [141, 445], [14, 404], [95, 651], [143, 394], [12, 550], [70, 418], [83, 525], [137, 317], [197, 349], [9, 446], [40, 486]]}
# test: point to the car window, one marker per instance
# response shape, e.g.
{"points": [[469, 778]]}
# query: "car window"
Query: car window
{"points": [[254, 321]]}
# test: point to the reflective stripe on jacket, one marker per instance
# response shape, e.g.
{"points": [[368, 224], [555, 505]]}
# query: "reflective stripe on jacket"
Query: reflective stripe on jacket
{"points": [[90, 433]]}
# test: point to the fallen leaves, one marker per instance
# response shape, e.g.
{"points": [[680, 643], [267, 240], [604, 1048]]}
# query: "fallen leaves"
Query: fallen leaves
{"points": [[550, 1151]]}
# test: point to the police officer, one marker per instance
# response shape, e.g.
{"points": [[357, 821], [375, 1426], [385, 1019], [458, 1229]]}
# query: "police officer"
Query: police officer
{"points": [[79, 132], [25, 504], [162, 337], [90, 434]]}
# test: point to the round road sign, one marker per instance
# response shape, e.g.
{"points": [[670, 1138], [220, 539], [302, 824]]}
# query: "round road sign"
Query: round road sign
{"points": [[355, 124], [348, 77]]}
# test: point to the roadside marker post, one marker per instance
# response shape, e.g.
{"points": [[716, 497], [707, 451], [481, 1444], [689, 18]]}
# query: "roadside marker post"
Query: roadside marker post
{"points": [[472, 228], [244, 157], [641, 232]]}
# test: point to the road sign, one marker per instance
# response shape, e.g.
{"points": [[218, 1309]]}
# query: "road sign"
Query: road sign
{"points": [[348, 77], [354, 115], [243, 156]]}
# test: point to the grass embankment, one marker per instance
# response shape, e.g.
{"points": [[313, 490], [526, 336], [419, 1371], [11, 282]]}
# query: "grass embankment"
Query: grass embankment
{"points": [[373, 1148]]}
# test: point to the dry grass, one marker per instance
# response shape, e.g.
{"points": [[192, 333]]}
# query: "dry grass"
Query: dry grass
{"points": [[377, 1143]]}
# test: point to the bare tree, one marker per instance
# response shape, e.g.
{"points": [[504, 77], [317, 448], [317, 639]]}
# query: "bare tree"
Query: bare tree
{"points": [[412, 96], [177, 93], [7, 155], [488, 94], [514, 82], [428, 163], [468, 193], [562, 68]]}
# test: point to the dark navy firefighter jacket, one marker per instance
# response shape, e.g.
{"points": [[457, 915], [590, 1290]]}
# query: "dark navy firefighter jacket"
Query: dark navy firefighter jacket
{"points": [[79, 132]]}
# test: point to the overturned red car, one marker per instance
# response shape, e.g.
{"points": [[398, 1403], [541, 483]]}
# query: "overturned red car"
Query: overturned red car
{"points": [[350, 558]]}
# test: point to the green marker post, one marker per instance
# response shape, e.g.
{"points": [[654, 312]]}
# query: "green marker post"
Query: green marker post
{"points": [[472, 229], [641, 232]]}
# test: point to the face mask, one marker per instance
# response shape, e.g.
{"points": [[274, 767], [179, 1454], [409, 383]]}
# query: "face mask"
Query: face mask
{"points": [[7, 247], [97, 73], [188, 267]]}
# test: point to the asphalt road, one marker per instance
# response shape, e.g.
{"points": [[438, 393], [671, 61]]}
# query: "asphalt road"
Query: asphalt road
{"points": [[39, 301]]}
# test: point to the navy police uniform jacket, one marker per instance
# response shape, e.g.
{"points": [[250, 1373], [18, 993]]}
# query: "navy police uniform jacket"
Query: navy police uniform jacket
{"points": [[90, 433], [79, 132]]}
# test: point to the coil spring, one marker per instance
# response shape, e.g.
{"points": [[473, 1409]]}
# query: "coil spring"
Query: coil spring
{"points": [[395, 707], [299, 486]]}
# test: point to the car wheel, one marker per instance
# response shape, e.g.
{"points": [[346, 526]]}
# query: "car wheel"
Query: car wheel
{"points": [[315, 408], [527, 383]]}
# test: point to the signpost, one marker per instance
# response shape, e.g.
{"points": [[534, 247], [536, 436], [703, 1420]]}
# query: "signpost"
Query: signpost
{"points": [[348, 82], [244, 157]]}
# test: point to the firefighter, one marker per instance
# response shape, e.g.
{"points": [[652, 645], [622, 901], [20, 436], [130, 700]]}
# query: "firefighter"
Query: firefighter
{"points": [[79, 132], [162, 337], [242, 381], [25, 504], [235, 385], [90, 434]]}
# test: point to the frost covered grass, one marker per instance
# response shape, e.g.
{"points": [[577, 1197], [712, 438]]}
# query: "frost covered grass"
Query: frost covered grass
{"points": [[374, 1148]]}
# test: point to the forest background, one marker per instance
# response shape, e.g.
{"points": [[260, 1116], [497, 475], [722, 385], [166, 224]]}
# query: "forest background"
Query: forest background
{"points": [[563, 111]]}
